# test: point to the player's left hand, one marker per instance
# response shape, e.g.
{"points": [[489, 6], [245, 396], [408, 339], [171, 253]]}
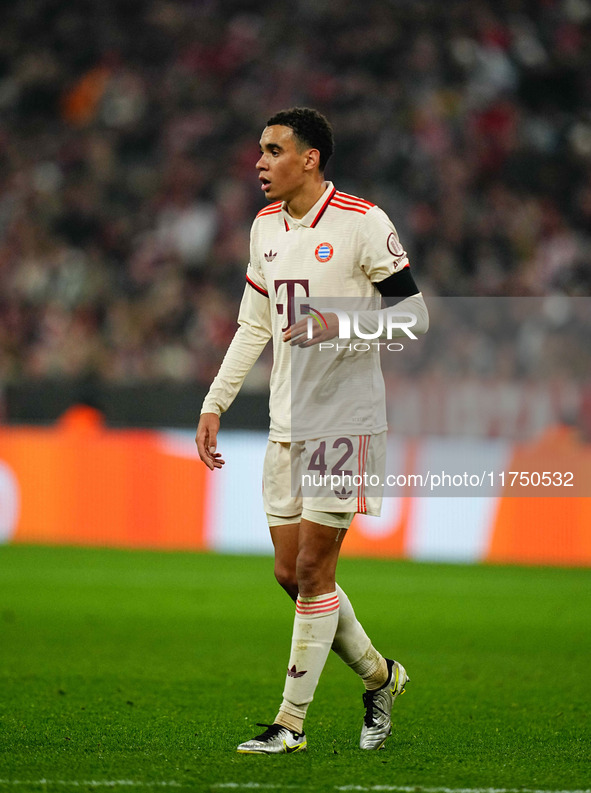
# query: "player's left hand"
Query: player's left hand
{"points": [[297, 334]]}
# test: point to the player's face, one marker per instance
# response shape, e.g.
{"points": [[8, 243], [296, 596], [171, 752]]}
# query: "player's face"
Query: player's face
{"points": [[282, 167]]}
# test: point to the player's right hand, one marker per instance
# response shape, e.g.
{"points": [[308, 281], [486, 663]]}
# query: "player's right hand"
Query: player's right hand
{"points": [[206, 440]]}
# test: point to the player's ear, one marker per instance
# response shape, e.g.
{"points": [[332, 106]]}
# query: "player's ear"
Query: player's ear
{"points": [[312, 159]]}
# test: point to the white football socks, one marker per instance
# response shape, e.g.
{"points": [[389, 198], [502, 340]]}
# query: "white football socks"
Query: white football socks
{"points": [[353, 645], [314, 628]]}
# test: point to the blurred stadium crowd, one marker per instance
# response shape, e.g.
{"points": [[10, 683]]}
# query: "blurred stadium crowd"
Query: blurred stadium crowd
{"points": [[130, 133]]}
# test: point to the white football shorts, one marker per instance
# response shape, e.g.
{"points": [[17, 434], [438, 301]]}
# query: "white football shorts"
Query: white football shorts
{"points": [[343, 474]]}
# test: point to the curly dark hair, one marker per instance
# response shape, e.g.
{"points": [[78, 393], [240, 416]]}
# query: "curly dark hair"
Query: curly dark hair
{"points": [[311, 129]]}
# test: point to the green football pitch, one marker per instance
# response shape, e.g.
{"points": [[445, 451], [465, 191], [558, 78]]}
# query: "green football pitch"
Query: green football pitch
{"points": [[143, 671]]}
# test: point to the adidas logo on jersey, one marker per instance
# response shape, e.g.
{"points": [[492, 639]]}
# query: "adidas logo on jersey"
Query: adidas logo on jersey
{"points": [[270, 256]]}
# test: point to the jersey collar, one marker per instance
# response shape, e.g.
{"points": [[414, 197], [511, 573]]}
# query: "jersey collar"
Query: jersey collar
{"points": [[312, 217]]}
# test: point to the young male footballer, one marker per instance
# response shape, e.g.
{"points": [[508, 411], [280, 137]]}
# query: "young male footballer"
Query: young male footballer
{"points": [[310, 244]]}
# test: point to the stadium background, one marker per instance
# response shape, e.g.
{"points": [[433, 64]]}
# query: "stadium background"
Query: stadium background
{"points": [[127, 148], [128, 137]]}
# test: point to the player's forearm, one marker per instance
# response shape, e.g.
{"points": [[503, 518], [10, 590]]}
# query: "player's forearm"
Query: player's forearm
{"points": [[244, 350]]}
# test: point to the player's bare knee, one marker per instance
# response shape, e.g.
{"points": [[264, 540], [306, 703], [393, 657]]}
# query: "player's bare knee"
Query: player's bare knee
{"points": [[311, 574], [286, 578]]}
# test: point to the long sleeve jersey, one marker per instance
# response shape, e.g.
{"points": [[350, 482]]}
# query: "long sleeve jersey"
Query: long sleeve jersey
{"points": [[339, 250]]}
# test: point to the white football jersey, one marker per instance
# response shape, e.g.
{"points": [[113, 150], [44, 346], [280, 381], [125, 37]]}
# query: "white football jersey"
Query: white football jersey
{"points": [[340, 249]]}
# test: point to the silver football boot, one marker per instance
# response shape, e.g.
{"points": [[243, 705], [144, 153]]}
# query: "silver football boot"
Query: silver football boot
{"points": [[377, 723]]}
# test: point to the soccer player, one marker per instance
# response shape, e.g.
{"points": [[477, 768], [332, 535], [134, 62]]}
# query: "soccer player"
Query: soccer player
{"points": [[312, 242]]}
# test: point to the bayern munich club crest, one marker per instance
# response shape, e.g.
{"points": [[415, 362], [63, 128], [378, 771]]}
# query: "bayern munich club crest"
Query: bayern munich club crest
{"points": [[324, 252]]}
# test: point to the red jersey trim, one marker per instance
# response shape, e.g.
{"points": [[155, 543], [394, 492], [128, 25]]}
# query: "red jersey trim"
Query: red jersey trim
{"points": [[264, 214], [350, 208], [271, 209], [354, 199], [258, 288], [314, 223]]}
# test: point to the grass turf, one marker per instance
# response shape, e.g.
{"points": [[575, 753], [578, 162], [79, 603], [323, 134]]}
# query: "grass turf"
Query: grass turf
{"points": [[151, 667]]}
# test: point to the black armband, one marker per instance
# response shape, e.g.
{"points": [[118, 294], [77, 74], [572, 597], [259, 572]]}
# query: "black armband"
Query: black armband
{"points": [[398, 285]]}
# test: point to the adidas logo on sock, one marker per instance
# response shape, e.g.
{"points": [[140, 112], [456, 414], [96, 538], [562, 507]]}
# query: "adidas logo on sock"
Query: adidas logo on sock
{"points": [[293, 672]]}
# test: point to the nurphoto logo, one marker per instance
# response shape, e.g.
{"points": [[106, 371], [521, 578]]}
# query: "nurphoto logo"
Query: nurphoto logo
{"points": [[378, 324]]}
